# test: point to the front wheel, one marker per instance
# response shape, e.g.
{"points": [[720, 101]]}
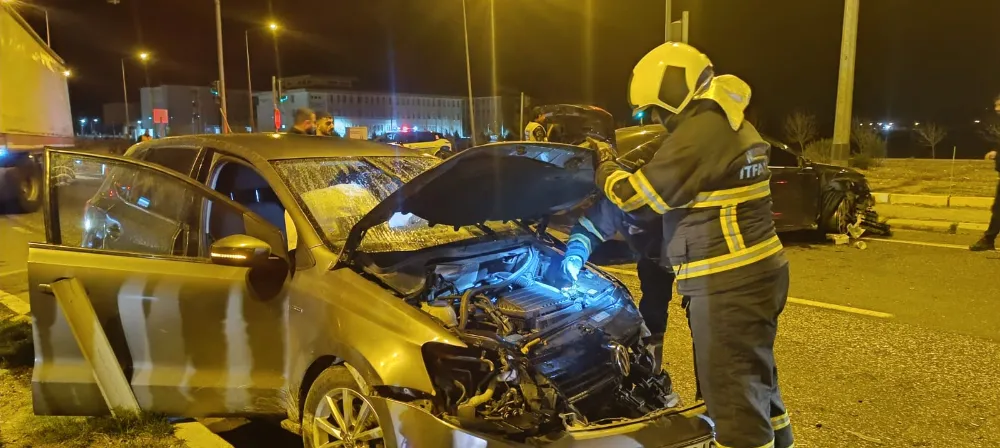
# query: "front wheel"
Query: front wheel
{"points": [[336, 413], [838, 212]]}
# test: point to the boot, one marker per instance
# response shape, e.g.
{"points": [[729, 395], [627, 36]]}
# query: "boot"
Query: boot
{"points": [[985, 243]]}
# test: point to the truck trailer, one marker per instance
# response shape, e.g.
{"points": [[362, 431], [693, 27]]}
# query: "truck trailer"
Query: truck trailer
{"points": [[34, 111]]}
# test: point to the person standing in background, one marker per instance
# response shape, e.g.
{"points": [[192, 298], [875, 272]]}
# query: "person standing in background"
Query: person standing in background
{"points": [[988, 241]]}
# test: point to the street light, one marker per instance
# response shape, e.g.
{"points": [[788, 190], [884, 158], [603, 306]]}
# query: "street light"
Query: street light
{"points": [[67, 73], [273, 26]]}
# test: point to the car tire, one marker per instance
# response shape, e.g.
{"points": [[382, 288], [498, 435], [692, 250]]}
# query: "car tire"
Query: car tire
{"points": [[27, 179], [837, 213], [336, 388]]}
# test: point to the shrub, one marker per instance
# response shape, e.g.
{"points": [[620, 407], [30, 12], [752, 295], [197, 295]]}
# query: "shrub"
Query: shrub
{"points": [[871, 147], [819, 151]]}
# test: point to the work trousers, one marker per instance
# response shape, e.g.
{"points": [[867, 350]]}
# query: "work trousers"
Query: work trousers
{"points": [[733, 332], [657, 285], [994, 228]]}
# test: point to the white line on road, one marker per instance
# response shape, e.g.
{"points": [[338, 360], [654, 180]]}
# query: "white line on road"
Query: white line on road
{"points": [[829, 306], [921, 243], [846, 309]]}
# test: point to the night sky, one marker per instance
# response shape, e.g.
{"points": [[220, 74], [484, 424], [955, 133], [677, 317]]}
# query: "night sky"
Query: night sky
{"points": [[926, 60]]}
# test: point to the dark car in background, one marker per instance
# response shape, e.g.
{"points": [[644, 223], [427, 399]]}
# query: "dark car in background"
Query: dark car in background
{"points": [[806, 194]]}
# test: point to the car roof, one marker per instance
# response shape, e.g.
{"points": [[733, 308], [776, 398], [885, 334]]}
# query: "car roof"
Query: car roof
{"points": [[274, 146]]}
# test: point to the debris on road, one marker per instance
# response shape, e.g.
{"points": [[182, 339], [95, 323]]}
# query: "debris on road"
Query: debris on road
{"points": [[838, 239], [864, 437]]}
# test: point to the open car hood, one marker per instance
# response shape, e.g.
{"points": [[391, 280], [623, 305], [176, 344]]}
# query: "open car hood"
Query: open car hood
{"points": [[494, 182], [577, 122]]}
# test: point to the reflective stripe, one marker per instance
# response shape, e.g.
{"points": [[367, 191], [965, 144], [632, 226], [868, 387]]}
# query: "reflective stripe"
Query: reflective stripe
{"points": [[731, 228], [766, 445], [729, 261], [780, 421], [587, 224], [609, 190], [732, 196], [583, 240], [648, 193]]}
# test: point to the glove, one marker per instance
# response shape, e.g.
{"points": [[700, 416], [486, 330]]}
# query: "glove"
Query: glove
{"points": [[605, 153], [571, 266]]}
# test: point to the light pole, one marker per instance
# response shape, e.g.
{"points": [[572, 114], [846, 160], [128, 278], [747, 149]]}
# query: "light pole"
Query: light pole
{"points": [[222, 68], [128, 117], [845, 84], [144, 57], [468, 73], [273, 26]]}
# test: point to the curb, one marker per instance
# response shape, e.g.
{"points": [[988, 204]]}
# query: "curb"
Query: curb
{"points": [[193, 433], [935, 226], [929, 200]]}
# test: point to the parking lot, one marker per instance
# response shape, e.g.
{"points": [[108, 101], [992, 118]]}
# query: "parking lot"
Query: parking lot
{"points": [[892, 345]]}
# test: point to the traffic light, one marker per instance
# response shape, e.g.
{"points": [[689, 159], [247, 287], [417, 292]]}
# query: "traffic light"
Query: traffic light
{"points": [[215, 88], [283, 98]]}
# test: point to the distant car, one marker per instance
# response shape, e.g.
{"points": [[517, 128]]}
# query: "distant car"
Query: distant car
{"points": [[806, 194], [430, 143], [371, 295]]}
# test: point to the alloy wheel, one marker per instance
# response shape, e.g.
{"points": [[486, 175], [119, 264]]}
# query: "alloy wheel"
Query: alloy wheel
{"points": [[345, 418]]}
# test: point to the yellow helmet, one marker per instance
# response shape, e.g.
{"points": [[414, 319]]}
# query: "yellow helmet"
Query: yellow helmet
{"points": [[674, 74], [669, 76]]}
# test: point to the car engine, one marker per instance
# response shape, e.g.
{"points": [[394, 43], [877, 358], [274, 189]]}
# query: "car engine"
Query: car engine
{"points": [[542, 356]]}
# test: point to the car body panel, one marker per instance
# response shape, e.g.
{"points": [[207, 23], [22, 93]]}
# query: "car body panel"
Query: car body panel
{"points": [[676, 428], [173, 326]]}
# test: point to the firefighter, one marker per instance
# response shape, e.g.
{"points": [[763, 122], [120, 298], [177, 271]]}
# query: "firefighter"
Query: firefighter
{"points": [[601, 222], [535, 130], [710, 183]]}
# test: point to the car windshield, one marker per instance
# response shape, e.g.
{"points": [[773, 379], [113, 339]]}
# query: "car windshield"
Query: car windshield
{"points": [[337, 192]]}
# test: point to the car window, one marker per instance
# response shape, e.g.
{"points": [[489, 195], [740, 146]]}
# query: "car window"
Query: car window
{"points": [[782, 157], [245, 186], [180, 159], [125, 207], [423, 137]]}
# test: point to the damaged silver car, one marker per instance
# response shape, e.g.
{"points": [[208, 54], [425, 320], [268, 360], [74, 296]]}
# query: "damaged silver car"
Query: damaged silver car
{"points": [[368, 295]]}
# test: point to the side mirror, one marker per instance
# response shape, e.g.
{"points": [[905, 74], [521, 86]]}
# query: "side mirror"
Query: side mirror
{"points": [[240, 250]]}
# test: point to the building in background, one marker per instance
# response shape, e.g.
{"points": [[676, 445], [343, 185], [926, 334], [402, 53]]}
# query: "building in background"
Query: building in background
{"points": [[381, 112], [183, 110], [114, 118], [317, 82], [498, 117]]}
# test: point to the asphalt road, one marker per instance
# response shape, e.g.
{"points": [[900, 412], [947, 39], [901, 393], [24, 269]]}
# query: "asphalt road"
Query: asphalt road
{"points": [[908, 359]]}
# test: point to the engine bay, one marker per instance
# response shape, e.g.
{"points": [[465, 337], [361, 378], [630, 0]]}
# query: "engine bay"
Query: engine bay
{"points": [[544, 355]]}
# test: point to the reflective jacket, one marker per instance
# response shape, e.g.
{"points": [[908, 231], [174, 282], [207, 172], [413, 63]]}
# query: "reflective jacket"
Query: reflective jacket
{"points": [[711, 185], [602, 221], [535, 132]]}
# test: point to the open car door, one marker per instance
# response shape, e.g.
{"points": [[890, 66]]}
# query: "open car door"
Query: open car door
{"points": [[193, 335]]}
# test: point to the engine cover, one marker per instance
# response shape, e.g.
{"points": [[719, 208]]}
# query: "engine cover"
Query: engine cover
{"points": [[529, 304]]}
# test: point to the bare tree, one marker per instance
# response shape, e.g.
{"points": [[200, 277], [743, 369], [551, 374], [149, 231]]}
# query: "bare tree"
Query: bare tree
{"points": [[800, 127], [930, 135]]}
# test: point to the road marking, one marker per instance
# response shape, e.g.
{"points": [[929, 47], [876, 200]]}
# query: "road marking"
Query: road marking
{"points": [[14, 303], [846, 309], [921, 243], [829, 306]]}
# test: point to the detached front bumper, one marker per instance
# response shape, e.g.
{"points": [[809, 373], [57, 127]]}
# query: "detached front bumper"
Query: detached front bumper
{"points": [[412, 427]]}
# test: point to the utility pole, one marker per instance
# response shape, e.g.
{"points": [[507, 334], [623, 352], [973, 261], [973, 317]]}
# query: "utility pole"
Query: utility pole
{"points": [[845, 84], [468, 73], [246, 34], [128, 118], [222, 68]]}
